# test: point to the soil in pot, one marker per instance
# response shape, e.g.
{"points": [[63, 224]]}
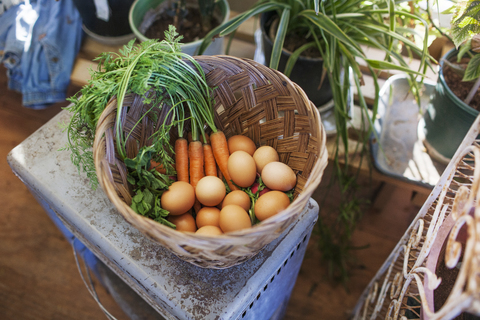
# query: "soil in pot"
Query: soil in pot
{"points": [[190, 27], [459, 87], [293, 41]]}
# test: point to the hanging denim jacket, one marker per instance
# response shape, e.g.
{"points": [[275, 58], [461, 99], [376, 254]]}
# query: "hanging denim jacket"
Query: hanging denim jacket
{"points": [[40, 41], [13, 34]]}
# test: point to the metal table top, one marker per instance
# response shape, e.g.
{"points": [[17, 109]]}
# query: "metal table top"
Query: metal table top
{"points": [[176, 289]]}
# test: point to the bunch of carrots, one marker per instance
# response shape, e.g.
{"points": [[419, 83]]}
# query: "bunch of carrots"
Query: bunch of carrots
{"points": [[196, 158]]}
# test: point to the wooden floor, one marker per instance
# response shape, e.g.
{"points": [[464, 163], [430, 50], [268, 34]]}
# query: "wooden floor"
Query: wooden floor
{"points": [[39, 277]]}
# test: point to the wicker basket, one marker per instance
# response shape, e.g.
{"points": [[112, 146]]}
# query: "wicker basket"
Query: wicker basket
{"points": [[251, 100]]}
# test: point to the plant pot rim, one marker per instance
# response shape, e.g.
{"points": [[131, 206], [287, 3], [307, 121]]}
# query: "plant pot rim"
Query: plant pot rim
{"points": [[265, 35], [108, 40], [441, 78], [141, 37]]}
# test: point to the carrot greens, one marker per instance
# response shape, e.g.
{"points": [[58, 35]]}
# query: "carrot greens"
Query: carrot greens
{"points": [[165, 78], [172, 78], [148, 186]]}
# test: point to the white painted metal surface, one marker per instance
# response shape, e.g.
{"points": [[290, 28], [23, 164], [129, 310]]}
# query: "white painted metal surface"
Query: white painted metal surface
{"points": [[397, 148], [409, 284], [257, 289]]}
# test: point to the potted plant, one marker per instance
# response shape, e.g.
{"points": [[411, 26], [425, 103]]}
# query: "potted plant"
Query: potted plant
{"points": [[338, 32], [149, 19], [455, 104], [104, 24]]}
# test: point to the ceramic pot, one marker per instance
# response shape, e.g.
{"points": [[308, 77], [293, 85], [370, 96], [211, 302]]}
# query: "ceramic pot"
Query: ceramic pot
{"points": [[307, 72], [447, 118], [106, 21], [143, 13]]}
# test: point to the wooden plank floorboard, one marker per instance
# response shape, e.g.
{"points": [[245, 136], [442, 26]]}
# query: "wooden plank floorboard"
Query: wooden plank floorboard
{"points": [[39, 278], [315, 296]]}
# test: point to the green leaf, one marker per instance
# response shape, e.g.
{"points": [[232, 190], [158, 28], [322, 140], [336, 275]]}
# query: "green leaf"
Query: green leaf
{"points": [[465, 21], [327, 25], [233, 24], [290, 194], [134, 207], [383, 65], [156, 183], [146, 208], [138, 197], [279, 39], [294, 57], [392, 15], [130, 163], [464, 50], [473, 69], [165, 222], [256, 9], [148, 196]]}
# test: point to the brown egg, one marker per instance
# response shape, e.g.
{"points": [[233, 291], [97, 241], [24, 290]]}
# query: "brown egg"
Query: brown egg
{"points": [[209, 231], [270, 204], [179, 198], [241, 168], [237, 197], [239, 142], [183, 222], [233, 218], [208, 216], [279, 176], [210, 191], [264, 155]]}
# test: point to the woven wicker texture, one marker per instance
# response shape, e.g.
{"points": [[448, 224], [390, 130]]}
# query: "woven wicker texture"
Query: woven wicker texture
{"points": [[252, 100]]}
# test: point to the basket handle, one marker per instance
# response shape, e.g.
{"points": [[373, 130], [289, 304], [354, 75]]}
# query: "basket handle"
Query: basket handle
{"points": [[90, 286]]}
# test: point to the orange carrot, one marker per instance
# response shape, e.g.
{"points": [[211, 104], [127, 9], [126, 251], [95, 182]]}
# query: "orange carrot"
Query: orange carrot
{"points": [[220, 151], [207, 138], [158, 166], [195, 155], [181, 159], [210, 164]]}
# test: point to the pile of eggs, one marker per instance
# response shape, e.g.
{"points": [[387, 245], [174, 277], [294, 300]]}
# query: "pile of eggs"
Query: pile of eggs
{"points": [[221, 212]]}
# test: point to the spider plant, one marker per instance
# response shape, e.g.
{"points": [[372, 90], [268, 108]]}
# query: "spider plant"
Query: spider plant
{"points": [[341, 30]]}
